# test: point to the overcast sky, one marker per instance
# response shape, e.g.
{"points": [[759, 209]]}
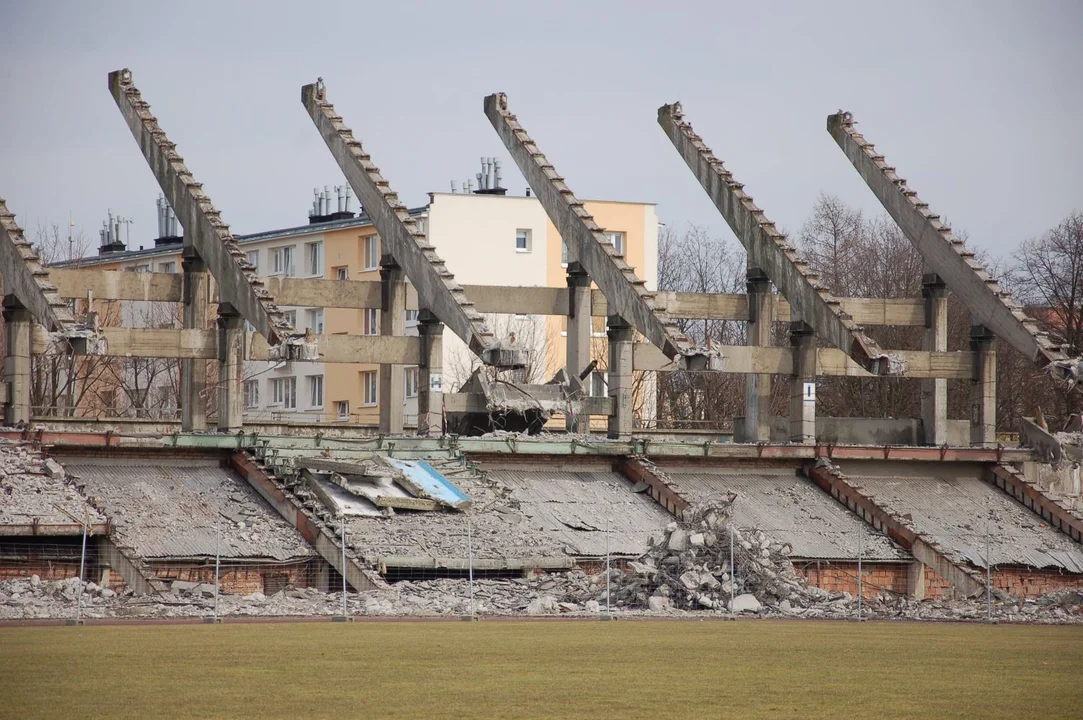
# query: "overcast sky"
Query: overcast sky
{"points": [[978, 104]]}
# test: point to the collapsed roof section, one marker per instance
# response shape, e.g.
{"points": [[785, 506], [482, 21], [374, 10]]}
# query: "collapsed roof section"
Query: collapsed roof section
{"points": [[626, 295], [26, 279], [768, 250], [238, 284], [944, 253], [437, 290]]}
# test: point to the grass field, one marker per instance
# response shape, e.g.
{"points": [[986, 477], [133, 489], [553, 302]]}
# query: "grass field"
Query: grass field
{"points": [[625, 669]]}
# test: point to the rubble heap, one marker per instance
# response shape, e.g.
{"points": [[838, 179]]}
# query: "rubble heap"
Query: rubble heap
{"points": [[34, 488]]}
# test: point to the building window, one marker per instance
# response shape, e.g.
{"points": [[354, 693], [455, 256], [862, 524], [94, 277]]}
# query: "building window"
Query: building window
{"points": [[291, 317], [342, 407], [315, 320], [138, 268], [371, 259], [598, 384], [564, 253], [253, 259], [370, 321], [522, 241], [342, 273], [167, 267], [411, 318], [251, 393], [314, 254], [284, 392], [616, 239], [368, 388], [411, 381], [315, 391], [284, 261]]}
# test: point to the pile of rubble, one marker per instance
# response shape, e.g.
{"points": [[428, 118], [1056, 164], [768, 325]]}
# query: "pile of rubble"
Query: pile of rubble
{"points": [[36, 490]]}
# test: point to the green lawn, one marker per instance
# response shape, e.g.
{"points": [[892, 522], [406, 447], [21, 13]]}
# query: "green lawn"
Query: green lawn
{"points": [[553, 669]]}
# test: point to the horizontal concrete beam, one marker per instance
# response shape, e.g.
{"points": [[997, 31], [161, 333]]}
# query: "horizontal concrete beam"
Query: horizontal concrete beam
{"points": [[29, 529], [830, 361], [357, 294], [924, 551]]}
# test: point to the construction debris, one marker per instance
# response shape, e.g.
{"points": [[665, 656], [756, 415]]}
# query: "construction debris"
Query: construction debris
{"points": [[35, 491]]}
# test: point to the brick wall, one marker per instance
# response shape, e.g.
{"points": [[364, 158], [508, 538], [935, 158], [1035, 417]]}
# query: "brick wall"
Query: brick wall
{"points": [[243, 580], [47, 570], [877, 578], [1028, 582]]}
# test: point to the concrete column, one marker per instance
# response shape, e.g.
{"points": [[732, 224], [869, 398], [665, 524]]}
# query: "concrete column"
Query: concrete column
{"points": [[230, 369], [915, 580], [983, 388], [430, 380], [579, 329], [934, 391], [17, 362], [392, 322], [620, 377], [803, 384], [761, 314], [193, 373]]}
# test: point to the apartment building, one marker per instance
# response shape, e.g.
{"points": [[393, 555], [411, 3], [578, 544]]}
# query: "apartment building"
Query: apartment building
{"points": [[487, 238]]}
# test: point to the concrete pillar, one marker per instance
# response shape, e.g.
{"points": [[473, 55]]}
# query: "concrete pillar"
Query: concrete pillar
{"points": [[17, 362], [193, 373], [761, 314], [230, 369], [983, 388], [579, 329], [392, 322], [803, 384], [915, 580], [620, 336], [430, 378], [934, 391]]}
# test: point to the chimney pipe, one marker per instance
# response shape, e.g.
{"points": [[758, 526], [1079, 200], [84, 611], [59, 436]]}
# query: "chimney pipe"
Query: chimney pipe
{"points": [[528, 192], [496, 173], [341, 198], [327, 200], [481, 181], [349, 196], [315, 202]]}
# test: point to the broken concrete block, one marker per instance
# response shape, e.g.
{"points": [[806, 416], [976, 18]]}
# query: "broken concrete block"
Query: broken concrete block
{"points": [[54, 469], [568, 607], [657, 603], [592, 606], [545, 605], [690, 579], [678, 540], [696, 539], [705, 601], [745, 603]]}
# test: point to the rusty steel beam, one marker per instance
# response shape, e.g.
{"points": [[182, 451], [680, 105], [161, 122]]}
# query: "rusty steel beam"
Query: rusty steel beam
{"points": [[922, 548]]}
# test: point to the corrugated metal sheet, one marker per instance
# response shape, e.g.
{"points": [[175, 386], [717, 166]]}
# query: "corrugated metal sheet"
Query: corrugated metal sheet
{"points": [[574, 508], [170, 511], [954, 512], [431, 482], [789, 509]]}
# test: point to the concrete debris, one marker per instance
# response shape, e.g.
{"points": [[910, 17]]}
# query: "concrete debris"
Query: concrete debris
{"points": [[32, 487]]}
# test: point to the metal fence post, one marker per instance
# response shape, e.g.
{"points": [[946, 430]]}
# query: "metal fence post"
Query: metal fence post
{"points": [[733, 571], [470, 561], [860, 578], [988, 576], [608, 607], [344, 565], [217, 562], [82, 568]]}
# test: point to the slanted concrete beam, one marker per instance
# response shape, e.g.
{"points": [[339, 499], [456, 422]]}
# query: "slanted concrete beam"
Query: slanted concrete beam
{"points": [[392, 323], [238, 284], [943, 252], [924, 550], [25, 279], [658, 487], [768, 249], [934, 391], [437, 289], [1048, 508], [625, 293]]}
